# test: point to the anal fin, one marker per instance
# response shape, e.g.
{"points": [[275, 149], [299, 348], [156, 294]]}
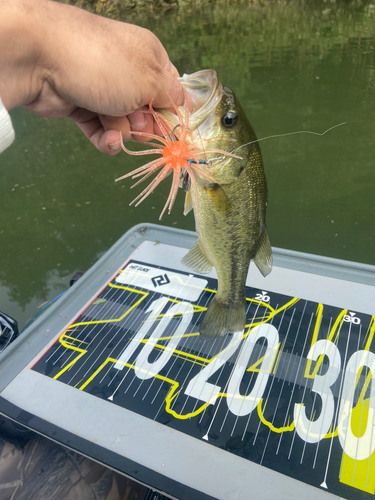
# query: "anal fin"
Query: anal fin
{"points": [[197, 260], [263, 257]]}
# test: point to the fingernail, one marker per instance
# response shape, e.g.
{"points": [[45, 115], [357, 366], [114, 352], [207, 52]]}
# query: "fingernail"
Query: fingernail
{"points": [[115, 146], [137, 120]]}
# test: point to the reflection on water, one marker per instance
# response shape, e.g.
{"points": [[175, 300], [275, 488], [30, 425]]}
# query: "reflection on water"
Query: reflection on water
{"points": [[293, 67]]}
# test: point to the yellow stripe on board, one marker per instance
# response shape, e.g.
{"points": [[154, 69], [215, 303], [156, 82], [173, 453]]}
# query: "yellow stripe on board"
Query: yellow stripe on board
{"points": [[115, 320], [336, 326], [189, 357], [370, 334], [254, 367], [82, 353], [359, 474], [278, 430]]}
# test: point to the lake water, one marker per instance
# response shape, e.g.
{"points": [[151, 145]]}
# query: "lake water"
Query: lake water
{"points": [[294, 66]]}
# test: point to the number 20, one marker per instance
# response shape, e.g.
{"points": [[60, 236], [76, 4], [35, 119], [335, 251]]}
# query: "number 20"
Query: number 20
{"points": [[238, 404]]}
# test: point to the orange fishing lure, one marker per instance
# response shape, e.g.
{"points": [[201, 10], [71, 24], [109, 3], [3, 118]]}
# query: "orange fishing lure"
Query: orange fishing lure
{"points": [[178, 157]]}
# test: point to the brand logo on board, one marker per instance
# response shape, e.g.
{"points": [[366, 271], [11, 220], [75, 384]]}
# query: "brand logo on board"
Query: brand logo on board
{"points": [[162, 279]]}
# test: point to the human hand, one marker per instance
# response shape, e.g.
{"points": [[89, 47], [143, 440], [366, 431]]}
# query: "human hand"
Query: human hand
{"points": [[65, 62]]}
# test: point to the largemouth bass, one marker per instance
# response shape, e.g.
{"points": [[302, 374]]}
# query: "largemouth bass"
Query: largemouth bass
{"points": [[219, 159], [230, 211]]}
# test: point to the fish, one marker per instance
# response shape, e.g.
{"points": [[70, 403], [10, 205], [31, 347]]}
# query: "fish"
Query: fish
{"points": [[223, 175]]}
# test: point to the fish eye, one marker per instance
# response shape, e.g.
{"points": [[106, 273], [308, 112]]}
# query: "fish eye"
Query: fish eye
{"points": [[229, 120]]}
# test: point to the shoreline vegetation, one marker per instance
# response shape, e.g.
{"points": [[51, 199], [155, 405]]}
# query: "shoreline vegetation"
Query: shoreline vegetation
{"points": [[114, 8]]}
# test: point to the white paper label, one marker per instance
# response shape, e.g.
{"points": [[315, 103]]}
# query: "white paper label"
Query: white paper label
{"points": [[171, 283]]}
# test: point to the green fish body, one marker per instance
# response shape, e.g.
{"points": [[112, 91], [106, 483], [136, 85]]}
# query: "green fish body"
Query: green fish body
{"points": [[230, 212]]}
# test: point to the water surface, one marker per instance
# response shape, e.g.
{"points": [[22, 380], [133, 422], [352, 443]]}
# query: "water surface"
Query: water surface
{"points": [[293, 66]]}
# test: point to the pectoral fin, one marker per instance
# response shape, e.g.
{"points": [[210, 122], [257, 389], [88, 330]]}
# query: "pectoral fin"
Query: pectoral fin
{"points": [[218, 198], [263, 257], [197, 260], [188, 202]]}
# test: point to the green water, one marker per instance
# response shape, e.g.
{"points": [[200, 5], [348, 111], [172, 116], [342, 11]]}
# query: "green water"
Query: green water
{"points": [[293, 66]]}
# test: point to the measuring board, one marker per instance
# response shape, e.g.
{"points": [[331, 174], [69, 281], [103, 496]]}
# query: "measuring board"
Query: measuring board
{"points": [[284, 408]]}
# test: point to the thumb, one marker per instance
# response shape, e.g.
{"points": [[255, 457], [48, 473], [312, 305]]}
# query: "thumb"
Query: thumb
{"points": [[169, 88]]}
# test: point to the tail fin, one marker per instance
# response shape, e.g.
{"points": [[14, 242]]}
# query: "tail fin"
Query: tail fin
{"points": [[220, 320]]}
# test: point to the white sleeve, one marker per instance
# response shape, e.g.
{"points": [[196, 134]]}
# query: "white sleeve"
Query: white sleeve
{"points": [[6, 129]]}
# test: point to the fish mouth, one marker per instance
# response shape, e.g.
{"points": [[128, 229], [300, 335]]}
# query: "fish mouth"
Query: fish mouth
{"points": [[203, 88], [204, 91]]}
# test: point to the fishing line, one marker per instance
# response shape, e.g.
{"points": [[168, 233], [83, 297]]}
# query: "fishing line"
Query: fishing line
{"points": [[291, 133], [173, 136], [202, 145], [279, 135]]}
